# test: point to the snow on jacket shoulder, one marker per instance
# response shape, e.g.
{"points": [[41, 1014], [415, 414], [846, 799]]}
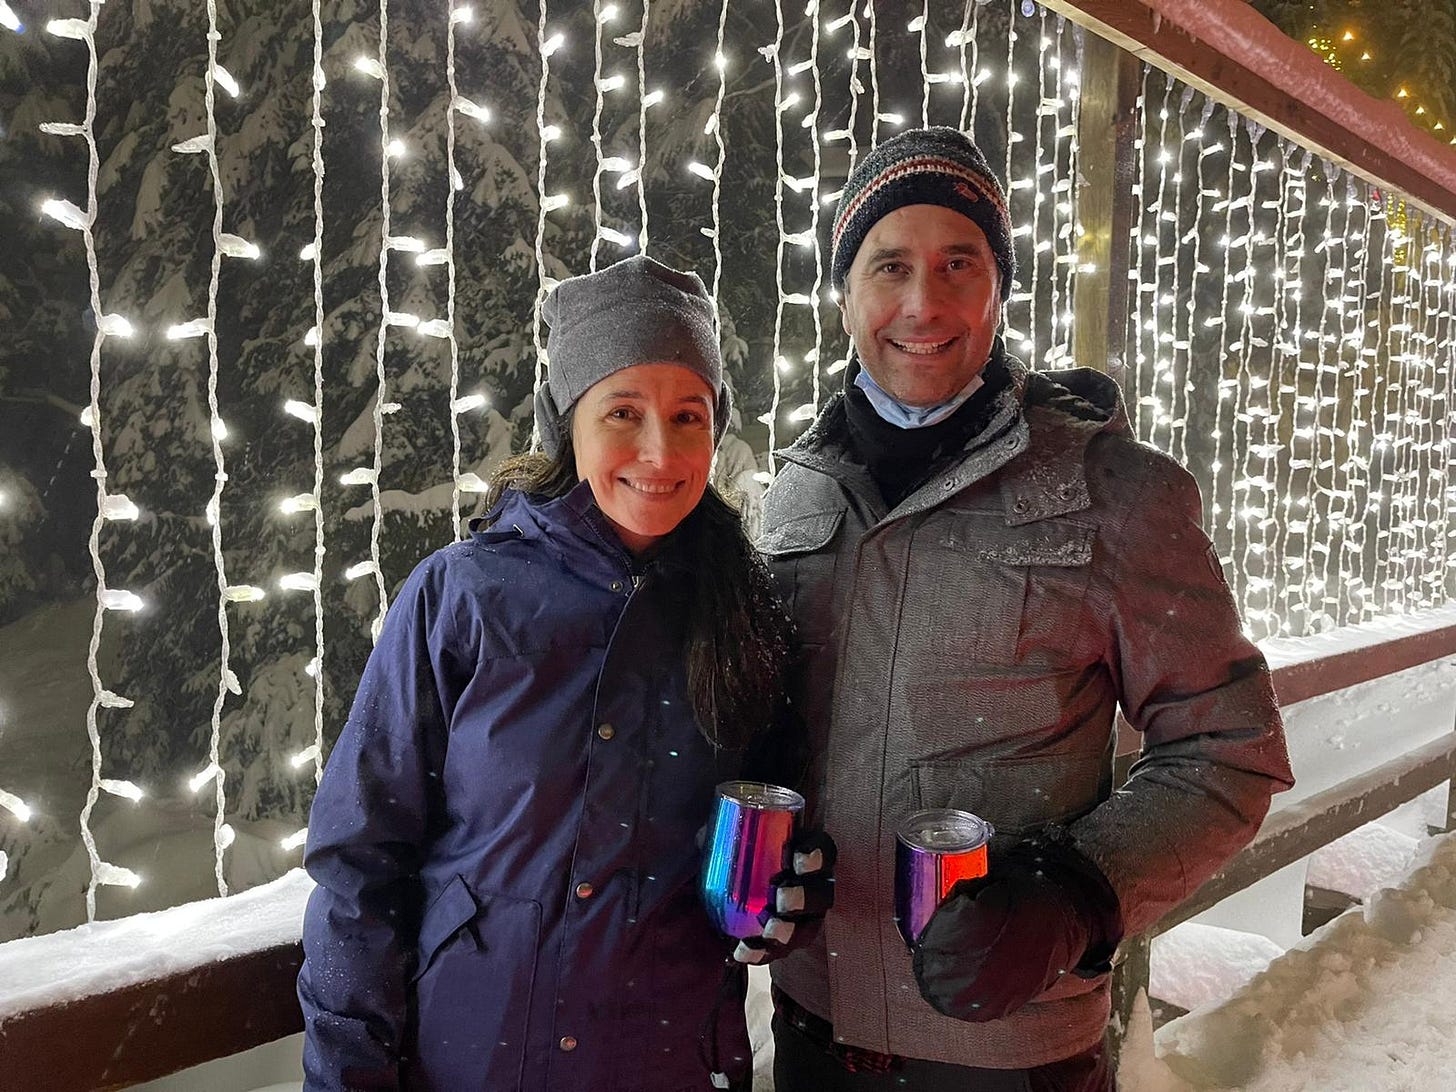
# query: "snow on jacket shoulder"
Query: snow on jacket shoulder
{"points": [[504, 839], [970, 649]]}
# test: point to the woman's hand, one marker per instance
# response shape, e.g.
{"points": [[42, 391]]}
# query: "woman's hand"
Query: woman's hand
{"points": [[802, 895]]}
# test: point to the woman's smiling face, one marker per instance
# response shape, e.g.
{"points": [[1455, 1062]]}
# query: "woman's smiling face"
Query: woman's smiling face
{"points": [[643, 439]]}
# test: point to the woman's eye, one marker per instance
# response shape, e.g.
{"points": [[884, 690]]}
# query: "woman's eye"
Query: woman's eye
{"points": [[621, 413], [691, 417]]}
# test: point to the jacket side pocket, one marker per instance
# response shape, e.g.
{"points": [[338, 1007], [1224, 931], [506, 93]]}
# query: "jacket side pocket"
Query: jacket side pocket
{"points": [[472, 991]]}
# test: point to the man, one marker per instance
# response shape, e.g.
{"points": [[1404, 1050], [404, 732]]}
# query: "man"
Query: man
{"points": [[984, 564]]}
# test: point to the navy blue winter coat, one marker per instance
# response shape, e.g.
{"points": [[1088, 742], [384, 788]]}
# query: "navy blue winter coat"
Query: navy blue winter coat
{"points": [[504, 839]]}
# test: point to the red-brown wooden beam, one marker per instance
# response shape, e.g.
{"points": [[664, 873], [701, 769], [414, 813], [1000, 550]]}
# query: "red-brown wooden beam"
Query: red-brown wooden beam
{"points": [[1139, 28], [142, 1032]]}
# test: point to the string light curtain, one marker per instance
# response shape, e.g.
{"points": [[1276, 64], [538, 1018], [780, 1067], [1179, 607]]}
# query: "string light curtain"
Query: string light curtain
{"points": [[1291, 328], [1325, 461]]}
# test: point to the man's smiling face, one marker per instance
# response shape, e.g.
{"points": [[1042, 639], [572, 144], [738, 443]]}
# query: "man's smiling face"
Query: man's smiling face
{"points": [[921, 302]]}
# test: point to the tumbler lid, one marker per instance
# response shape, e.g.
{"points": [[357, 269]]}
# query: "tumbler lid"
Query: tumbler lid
{"points": [[760, 794], [945, 830]]}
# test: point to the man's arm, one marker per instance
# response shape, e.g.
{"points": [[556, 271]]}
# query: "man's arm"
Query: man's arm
{"points": [[1187, 678], [366, 830]]}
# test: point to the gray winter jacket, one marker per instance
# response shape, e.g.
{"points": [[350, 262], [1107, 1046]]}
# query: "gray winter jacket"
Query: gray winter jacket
{"points": [[971, 648]]}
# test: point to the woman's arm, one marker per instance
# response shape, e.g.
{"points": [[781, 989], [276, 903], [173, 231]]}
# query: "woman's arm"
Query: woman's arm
{"points": [[367, 831]]}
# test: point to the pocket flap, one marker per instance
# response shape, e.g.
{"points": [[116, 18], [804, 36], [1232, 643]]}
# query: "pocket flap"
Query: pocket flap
{"points": [[802, 535], [1047, 542], [453, 908], [1017, 795]]}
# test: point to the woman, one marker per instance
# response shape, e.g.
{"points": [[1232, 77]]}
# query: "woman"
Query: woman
{"points": [[505, 836]]}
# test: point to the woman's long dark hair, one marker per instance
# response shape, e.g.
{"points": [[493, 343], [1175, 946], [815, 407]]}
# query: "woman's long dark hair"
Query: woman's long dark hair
{"points": [[738, 631]]}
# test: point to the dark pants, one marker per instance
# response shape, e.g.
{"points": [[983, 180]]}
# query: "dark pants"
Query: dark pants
{"points": [[802, 1065]]}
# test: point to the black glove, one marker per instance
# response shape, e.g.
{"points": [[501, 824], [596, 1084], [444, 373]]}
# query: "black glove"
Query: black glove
{"points": [[1041, 911], [802, 894]]}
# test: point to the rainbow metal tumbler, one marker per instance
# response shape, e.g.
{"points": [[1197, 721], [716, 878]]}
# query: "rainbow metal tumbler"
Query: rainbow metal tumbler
{"points": [[934, 849], [747, 843]]}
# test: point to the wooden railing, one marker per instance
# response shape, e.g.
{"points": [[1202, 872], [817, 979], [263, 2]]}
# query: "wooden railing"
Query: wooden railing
{"points": [[141, 1032]]}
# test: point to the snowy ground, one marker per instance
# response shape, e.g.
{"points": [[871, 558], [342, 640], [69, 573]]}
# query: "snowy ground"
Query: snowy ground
{"points": [[1361, 1005]]}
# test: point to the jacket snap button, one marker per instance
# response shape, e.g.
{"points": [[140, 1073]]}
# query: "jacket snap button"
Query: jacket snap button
{"points": [[568, 1042], [584, 890], [616, 585], [1020, 505], [606, 731]]}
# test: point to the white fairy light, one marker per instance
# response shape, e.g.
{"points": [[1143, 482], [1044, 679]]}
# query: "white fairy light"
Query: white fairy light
{"points": [[715, 173], [811, 121], [63, 212], [918, 26], [770, 417], [125, 789], [118, 506], [313, 252], [120, 599], [115, 326], [224, 79], [78, 29], [299, 582], [294, 840], [110, 875], [15, 806], [468, 402], [199, 780], [546, 47], [182, 331], [641, 44], [362, 568], [109, 507], [10, 21], [302, 410]]}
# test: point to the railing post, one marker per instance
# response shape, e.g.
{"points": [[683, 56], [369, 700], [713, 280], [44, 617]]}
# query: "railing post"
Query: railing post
{"points": [[1105, 204], [1131, 975]]}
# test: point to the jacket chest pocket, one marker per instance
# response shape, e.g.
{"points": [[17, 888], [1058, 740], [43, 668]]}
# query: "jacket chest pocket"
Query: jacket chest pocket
{"points": [[799, 553], [989, 594]]}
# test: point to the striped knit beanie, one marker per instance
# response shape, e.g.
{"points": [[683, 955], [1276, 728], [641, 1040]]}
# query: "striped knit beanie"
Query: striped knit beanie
{"points": [[934, 166]]}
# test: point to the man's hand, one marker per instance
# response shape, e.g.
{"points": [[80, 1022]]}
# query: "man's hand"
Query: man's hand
{"points": [[802, 894], [1042, 911]]}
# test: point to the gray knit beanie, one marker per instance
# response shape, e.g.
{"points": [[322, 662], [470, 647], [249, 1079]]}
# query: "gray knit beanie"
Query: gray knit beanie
{"points": [[931, 166], [638, 311]]}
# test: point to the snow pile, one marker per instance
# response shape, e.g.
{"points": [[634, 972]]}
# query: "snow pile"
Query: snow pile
{"points": [[108, 955], [1362, 1005], [1194, 964], [1363, 861]]}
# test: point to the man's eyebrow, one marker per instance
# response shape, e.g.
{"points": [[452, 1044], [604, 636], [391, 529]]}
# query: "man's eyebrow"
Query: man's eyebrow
{"points": [[885, 254]]}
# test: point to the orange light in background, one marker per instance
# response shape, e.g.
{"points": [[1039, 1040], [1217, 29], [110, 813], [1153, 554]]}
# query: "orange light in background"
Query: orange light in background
{"points": [[1402, 93], [1349, 36]]}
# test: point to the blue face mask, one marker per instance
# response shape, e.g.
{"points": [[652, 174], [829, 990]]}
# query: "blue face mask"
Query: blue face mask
{"points": [[903, 416]]}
